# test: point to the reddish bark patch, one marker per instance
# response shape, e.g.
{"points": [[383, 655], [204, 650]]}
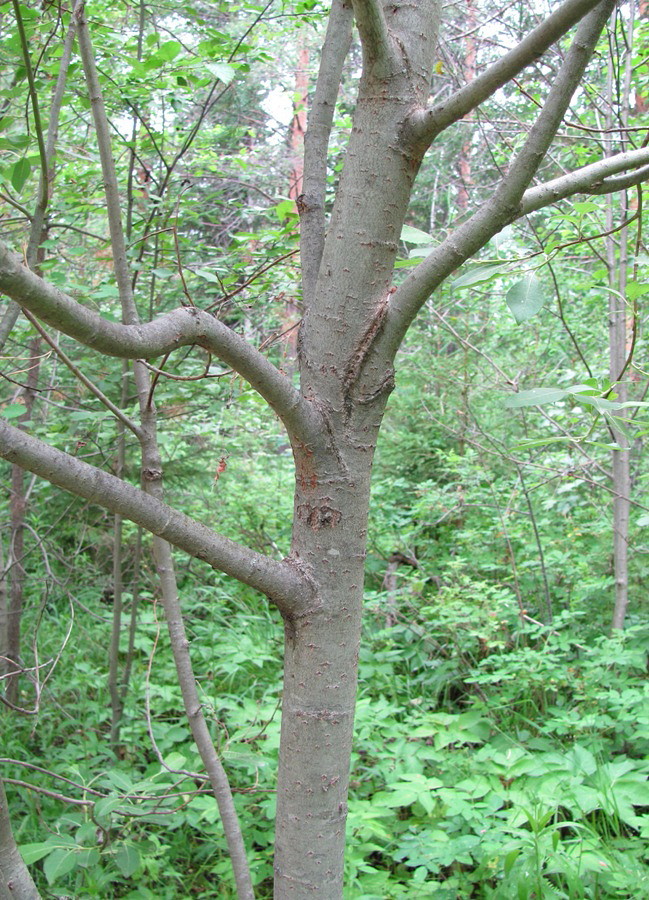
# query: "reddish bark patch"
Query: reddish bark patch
{"points": [[306, 475], [318, 517]]}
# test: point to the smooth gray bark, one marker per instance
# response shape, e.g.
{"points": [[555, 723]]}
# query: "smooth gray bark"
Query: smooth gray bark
{"points": [[623, 313], [15, 881]]}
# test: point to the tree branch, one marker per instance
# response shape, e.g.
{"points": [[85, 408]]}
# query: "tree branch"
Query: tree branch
{"points": [[179, 328], [427, 124], [503, 206], [312, 203], [621, 182], [76, 371], [111, 188], [376, 41], [281, 583], [592, 179]]}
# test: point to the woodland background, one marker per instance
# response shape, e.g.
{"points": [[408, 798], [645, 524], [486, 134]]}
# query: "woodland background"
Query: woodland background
{"points": [[502, 727]]}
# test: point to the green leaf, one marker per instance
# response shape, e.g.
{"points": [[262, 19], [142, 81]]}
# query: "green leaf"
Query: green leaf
{"points": [[410, 235], [207, 275], [175, 760], [535, 397], [411, 261], [222, 71], [127, 860], [525, 298], [12, 410], [59, 863], [169, 50], [510, 859], [105, 806], [542, 442], [88, 857], [635, 289], [480, 273], [584, 206], [285, 209], [31, 853], [20, 174]]}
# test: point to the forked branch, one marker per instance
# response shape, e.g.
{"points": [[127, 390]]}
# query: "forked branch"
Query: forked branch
{"points": [[593, 179], [504, 204], [427, 124]]}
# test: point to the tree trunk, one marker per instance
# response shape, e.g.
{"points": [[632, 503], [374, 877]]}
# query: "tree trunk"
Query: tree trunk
{"points": [[617, 208], [338, 365], [18, 506], [320, 670], [15, 881]]}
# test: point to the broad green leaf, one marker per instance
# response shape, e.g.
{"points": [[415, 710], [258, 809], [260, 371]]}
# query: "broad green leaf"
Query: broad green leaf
{"points": [[15, 142], [407, 263], [175, 760], [636, 289], [105, 806], [106, 291], [222, 71], [525, 298], [85, 833], [584, 206], [12, 410], [59, 863], [481, 272], [31, 853], [88, 857], [580, 759], [169, 50], [418, 253], [510, 859], [20, 174], [284, 209], [121, 780], [127, 859], [207, 275], [535, 397], [502, 237], [410, 235]]}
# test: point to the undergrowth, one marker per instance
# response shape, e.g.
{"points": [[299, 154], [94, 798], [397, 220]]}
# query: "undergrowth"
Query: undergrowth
{"points": [[494, 758]]}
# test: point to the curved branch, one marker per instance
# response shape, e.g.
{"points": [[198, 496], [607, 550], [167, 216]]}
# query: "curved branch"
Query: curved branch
{"points": [[182, 327], [427, 124], [593, 179], [281, 583], [312, 204]]}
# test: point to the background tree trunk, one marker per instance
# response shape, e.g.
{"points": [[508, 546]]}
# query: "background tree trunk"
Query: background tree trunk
{"points": [[620, 345]]}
